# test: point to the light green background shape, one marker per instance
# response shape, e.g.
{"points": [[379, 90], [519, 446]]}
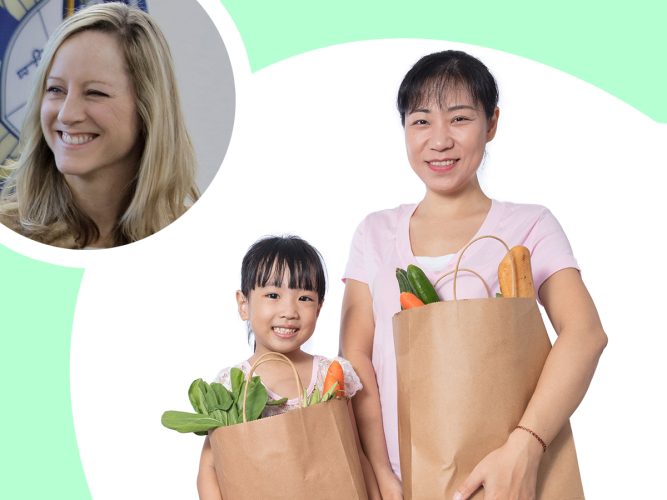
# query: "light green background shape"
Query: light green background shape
{"points": [[619, 49], [39, 457]]}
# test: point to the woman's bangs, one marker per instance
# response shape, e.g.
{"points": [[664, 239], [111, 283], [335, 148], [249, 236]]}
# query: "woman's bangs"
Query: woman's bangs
{"points": [[438, 89]]}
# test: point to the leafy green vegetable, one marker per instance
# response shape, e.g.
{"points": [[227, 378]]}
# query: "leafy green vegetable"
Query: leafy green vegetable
{"points": [[223, 396], [256, 401], [315, 397], [233, 415], [197, 395], [330, 393], [216, 406], [239, 399], [225, 418], [238, 379], [276, 402], [211, 400], [188, 422]]}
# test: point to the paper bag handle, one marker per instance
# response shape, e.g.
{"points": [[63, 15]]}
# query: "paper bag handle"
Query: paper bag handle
{"points": [[264, 358], [458, 263], [486, 286]]}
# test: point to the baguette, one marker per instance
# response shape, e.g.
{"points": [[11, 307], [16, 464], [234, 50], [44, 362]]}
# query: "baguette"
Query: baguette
{"points": [[524, 281]]}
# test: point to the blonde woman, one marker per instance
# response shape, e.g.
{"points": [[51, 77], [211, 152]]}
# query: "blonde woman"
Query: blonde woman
{"points": [[105, 159]]}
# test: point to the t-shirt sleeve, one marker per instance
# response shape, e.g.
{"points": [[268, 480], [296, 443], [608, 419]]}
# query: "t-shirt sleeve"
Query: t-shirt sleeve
{"points": [[356, 268], [550, 249]]}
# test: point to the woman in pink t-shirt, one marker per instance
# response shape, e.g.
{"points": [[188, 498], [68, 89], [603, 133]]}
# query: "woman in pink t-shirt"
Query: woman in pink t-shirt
{"points": [[448, 107]]}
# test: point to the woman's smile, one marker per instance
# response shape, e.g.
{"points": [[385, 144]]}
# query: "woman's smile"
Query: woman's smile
{"points": [[75, 139], [441, 165]]}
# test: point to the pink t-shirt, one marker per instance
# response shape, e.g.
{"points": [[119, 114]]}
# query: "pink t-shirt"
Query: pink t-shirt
{"points": [[381, 243]]}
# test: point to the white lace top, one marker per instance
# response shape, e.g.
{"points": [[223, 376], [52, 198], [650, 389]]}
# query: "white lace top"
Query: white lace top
{"points": [[320, 367]]}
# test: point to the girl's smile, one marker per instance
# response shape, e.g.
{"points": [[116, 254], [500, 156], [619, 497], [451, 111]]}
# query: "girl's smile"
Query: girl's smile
{"points": [[281, 318], [285, 332]]}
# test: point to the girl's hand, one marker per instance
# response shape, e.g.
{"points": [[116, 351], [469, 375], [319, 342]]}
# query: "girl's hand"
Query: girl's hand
{"points": [[390, 486], [507, 472]]}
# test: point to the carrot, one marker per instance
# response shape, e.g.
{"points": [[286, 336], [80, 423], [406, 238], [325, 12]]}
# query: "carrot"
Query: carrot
{"points": [[334, 375], [410, 300], [524, 274]]}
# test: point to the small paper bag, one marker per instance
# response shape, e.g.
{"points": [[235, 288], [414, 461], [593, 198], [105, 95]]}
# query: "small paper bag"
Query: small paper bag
{"points": [[299, 455]]}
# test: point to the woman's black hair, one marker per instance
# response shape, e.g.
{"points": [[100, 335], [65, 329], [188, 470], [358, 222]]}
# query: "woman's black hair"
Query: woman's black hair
{"points": [[269, 259], [435, 74]]}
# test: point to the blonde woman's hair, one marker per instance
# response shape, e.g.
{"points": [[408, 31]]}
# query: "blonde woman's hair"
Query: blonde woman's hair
{"points": [[164, 185]]}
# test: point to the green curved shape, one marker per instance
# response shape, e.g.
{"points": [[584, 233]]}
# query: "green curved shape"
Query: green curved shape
{"points": [[617, 47], [39, 457]]}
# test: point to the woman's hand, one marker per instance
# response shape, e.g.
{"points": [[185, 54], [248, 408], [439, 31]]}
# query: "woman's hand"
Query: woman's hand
{"points": [[511, 470], [507, 472]]}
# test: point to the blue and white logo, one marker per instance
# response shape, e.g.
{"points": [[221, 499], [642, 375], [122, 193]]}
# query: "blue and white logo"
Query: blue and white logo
{"points": [[25, 26]]}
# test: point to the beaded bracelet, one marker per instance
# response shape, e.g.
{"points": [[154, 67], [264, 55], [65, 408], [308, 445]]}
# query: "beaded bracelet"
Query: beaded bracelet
{"points": [[534, 434]]}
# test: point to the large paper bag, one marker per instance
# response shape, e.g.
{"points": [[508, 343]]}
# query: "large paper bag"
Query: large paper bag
{"points": [[302, 454], [466, 371]]}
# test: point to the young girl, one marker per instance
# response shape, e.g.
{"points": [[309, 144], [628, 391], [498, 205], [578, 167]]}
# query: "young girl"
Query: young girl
{"points": [[282, 291], [448, 106]]}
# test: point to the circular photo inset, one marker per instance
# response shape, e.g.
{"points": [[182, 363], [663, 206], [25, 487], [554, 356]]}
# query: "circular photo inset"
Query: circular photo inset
{"points": [[107, 129]]}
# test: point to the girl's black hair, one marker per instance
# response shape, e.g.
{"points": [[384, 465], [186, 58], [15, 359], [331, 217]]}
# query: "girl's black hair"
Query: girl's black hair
{"points": [[435, 74], [269, 259]]}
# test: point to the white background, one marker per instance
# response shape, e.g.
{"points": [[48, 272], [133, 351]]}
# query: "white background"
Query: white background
{"points": [[317, 145]]}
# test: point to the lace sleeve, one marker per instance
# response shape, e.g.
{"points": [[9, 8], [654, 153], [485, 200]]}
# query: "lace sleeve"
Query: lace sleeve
{"points": [[224, 378], [351, 379]]}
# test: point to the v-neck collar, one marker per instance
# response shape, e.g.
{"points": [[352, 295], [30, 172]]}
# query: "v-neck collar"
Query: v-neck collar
{"points": [[404, 247]]}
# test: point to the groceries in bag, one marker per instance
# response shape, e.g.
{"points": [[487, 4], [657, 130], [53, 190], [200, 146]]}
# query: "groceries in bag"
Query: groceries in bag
{"points": [[490, 352], [302, 454], [515, 277]]}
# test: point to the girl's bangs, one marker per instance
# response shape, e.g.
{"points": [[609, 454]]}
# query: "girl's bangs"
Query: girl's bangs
{"points": [[283, 270]]}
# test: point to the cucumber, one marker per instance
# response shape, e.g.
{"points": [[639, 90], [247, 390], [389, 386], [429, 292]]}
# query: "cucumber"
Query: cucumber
{"points": [[403, 282], [421, 285]]}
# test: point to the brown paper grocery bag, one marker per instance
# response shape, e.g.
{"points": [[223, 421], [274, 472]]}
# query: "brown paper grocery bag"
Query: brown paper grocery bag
{"points": [[302, 454], [466, 371]]}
